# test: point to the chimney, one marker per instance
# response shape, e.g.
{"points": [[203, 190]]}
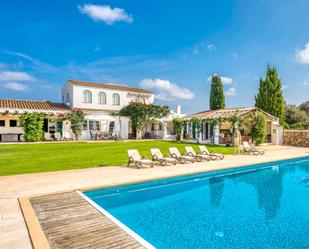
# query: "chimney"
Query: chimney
{"points": [[178, 109]]}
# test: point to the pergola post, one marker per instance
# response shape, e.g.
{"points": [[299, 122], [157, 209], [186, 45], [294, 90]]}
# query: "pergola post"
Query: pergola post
{"points": [[200, 131], [216, 134], [164, 129]]}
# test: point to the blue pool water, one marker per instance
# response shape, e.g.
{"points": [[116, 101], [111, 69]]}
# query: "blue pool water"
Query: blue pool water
{"points": [[260, 206]]}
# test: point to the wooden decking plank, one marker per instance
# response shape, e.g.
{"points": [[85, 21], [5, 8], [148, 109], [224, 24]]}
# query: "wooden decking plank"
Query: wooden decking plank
{"points": [[70, 222]]}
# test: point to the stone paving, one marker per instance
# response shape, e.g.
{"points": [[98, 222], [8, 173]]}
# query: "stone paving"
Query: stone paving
{"points": [[13, 231]]}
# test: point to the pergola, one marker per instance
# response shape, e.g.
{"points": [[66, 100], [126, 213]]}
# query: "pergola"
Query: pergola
{"points": [[11, 110], [208, 122]]}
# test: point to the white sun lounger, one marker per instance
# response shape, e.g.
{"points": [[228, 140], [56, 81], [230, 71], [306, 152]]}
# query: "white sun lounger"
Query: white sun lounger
{"points": [[174, 152], [251, 149], [213, 156], [199, 157], [158, 156], [136, 159]]}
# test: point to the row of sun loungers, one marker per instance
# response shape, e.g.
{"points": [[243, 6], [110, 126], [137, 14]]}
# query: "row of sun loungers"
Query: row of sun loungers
{"points": [[174, 156], [190, 155]]}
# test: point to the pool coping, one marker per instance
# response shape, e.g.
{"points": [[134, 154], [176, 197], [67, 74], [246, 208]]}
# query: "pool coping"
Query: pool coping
{"points": [[37, 235], [180, 174]]}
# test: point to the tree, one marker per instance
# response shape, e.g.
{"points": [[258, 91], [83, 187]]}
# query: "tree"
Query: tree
{"points": [[77, 118], [269, 97], [300, 126], [305, 107], [141, 113], [294, 114], [216, 100], [179, 124], [255, 125], [258, 128], [32, 124]]}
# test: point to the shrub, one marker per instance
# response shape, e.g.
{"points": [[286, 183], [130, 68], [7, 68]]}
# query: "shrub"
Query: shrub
{"points": [[178, 123], [300, 126], [141, 113], [294, 114], [77, 118], [258, 127], [32, 124]]}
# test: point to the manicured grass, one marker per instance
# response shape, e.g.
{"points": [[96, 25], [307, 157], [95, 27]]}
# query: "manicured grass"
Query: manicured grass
{"points": [[30, 158]]}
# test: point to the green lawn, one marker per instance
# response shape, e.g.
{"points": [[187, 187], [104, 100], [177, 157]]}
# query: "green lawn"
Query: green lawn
{"points": [[30, 158]]}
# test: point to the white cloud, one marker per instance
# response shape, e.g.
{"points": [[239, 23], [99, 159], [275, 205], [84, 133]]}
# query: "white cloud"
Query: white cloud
{"points": [[199, 47], [302, 55], [35, 63], [211, 47], [284, 87], [166, 90], [105, 13], [306, 83], [14, 75], [16, 86], [235, 56], [225, 80], [196, 50], [231, 91], [97, 49], [2, 65]]}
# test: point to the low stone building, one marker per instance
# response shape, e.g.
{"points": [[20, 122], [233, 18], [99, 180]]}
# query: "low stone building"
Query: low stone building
{"points": [[222, 133]]}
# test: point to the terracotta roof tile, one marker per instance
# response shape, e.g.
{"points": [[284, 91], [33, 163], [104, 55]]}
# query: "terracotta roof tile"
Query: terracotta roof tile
{"points": [[226, 113], [32, 105], [109, 86]]}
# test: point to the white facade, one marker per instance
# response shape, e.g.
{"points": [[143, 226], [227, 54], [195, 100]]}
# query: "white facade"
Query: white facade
{"points": [[10, 127], [100, 100], [74, 96]]}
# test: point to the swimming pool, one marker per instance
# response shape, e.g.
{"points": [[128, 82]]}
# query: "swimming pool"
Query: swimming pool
{"points": [[260, 206]]}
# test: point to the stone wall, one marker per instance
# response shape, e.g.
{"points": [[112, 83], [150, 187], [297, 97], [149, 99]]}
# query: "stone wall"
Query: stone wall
{"points": [[296, 137]]}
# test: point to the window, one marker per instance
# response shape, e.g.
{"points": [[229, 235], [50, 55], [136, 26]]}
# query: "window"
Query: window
{"points": [[102, 98], [97, 125], [116, 99], [85, 125], [91, 125], [13, 123], [68, 97], [87, 96], [2, 123], [111, 127], [62, 98]]}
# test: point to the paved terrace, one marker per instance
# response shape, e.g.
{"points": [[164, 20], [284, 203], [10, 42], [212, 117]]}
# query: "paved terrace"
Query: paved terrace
{"points": [[13, 231]]}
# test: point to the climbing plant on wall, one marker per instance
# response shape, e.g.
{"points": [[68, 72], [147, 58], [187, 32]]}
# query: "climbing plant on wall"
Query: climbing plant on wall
{"points": [[258, 128], [179, 124], [32, 124], [77, 118], [141, 113]]}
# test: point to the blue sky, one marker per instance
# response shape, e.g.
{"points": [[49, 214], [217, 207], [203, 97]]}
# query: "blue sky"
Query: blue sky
{"points": [[170, 47]]}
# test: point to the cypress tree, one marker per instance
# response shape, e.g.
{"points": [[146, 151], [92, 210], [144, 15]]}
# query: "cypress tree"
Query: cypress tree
{"points": [[216, 100], [269, 97]]}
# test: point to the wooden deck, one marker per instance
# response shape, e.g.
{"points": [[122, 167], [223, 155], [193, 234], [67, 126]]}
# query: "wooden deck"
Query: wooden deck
{"points": [[69, 221]]}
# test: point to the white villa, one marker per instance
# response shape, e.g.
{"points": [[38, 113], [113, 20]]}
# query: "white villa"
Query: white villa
{"points": [[98, 101]]}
